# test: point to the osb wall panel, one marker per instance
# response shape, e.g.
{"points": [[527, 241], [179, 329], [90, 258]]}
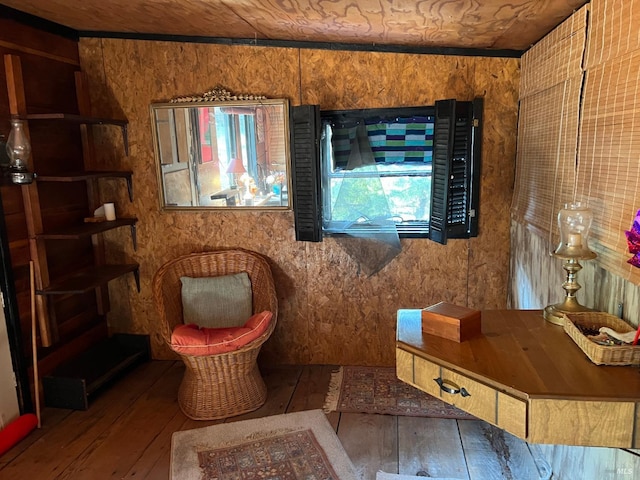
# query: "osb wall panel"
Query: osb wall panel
{"points": [[489, 252], [465, 272], [330, 312]]}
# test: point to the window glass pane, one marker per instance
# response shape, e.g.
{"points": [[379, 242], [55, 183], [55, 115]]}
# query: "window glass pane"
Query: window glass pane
{"points": [[407, 189], [409, 197]]}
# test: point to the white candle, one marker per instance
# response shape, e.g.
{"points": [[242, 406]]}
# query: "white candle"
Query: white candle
{"points": [[574, 240], [110, 211]]}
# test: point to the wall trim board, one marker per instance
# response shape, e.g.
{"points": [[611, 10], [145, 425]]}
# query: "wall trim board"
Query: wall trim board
{"points": [[357, 47], [38, 22], [40, 53]]}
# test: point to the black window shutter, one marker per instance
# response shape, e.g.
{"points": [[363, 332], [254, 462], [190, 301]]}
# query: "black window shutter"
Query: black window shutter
{"points": [[442, 154], [456, 170], [305, 160]]}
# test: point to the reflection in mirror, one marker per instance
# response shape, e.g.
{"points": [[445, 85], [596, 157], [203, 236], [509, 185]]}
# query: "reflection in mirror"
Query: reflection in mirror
{"points": [[222, 154]]}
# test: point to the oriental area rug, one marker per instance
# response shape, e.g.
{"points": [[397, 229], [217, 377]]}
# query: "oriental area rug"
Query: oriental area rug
{"points": [[378, 390], [293, 446]]}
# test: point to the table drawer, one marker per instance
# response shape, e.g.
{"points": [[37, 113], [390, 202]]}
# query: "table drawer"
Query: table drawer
{"points": [[471, 396], [455, 389], [476, 398], [425, 373], [404, 366]]}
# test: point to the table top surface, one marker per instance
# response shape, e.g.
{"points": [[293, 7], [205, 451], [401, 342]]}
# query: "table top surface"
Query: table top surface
{"points": [[522, 353]]}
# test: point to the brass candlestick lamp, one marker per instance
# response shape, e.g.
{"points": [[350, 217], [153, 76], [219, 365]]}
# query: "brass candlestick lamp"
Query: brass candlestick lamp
{"points": [[574, 221]]}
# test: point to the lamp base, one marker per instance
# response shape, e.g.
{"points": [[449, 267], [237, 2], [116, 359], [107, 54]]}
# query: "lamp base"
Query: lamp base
{"points": [[554, 313]]}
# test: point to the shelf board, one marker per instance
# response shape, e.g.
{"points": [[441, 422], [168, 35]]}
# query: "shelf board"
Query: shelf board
{"points": [[77, 232], [84, 175], [90, 175], [74, 383], [84, 230], [70, 117], [81, 119], [88, 280]]}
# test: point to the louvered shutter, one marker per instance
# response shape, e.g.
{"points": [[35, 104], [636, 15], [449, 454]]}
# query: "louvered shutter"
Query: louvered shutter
{"points": [[442, 154], [305, 159], [456, 170]]}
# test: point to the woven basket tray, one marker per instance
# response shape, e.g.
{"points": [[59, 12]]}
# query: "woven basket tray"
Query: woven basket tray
{"points": [[602, 354]]}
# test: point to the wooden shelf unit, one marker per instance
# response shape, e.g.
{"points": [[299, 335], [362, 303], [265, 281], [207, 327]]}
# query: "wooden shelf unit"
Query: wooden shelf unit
{"points": [[103, 357]]}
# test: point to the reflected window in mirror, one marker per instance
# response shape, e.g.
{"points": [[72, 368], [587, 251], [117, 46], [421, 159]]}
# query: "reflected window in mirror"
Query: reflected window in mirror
{"points": [[222, 154]]}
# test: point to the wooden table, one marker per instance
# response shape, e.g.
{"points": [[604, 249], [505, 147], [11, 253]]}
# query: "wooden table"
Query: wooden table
{"points": [[525, 376]]}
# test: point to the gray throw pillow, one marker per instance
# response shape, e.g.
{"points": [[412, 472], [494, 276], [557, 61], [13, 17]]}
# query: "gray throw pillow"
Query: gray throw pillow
{"points": [[217, 302]]}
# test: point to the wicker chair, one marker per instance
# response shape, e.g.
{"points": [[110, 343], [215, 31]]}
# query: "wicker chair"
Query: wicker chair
{"points": [[227, 384]]}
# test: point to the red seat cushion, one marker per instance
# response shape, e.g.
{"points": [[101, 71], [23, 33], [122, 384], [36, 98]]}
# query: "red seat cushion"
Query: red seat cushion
{"points": [[194, 340]]}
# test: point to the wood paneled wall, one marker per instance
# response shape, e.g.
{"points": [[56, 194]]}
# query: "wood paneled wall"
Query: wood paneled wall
{"points": [[329, 311]]}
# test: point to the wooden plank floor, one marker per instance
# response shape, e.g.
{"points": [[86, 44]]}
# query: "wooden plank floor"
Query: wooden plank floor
{"points": [[126, 434]]}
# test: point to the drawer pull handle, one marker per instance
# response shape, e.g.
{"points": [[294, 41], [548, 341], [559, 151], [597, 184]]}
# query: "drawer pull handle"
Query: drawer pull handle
{"points": [[451, 387]]}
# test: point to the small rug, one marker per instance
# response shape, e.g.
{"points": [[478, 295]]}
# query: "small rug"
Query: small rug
{"points": [[378, 390], [293, 446]]}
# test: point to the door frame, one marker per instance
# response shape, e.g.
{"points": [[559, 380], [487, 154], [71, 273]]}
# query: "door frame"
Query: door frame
{"points": [[12, 316]]}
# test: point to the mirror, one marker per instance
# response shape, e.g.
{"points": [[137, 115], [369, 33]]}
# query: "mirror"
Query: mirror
{"points": [[222, 154]]}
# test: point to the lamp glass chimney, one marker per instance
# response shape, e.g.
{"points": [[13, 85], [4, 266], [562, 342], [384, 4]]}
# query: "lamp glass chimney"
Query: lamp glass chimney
{"points": [[19, 150], [574, 222]]}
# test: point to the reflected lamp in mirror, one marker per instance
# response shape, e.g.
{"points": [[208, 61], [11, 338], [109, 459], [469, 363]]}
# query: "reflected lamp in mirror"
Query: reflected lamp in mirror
{"points": [[574, 223], [236, 169], [222, 154]]}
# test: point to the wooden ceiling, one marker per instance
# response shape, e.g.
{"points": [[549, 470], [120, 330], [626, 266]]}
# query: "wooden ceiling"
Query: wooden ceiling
{"points": [[468, 24]]}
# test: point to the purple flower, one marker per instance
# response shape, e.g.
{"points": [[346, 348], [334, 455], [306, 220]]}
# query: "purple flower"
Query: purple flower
{"points": [[633, 241]]}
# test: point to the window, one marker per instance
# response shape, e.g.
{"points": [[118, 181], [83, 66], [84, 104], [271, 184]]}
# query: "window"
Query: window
{"points": [[396, 147], [426, 160]]}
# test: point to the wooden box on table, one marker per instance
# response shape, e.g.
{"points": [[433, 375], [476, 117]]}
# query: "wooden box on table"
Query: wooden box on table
{"points": [[451, 321]]}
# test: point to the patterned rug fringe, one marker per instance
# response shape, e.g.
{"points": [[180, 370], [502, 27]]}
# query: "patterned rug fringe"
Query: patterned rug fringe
{"points": [[333, 395]]}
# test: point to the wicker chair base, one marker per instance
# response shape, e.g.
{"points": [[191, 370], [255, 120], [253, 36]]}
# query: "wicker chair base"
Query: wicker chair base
{"points": [[221, 386]]}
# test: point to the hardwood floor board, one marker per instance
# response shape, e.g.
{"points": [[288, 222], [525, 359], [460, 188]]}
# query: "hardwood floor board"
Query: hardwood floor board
{"points": [[119, 447], [579, 463], [126, 434], [492, 453], [431, 446], [51, 454], [154, 461], [281, 383], [371, 442], [50, 419], [312, 389], [190, 424]]}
